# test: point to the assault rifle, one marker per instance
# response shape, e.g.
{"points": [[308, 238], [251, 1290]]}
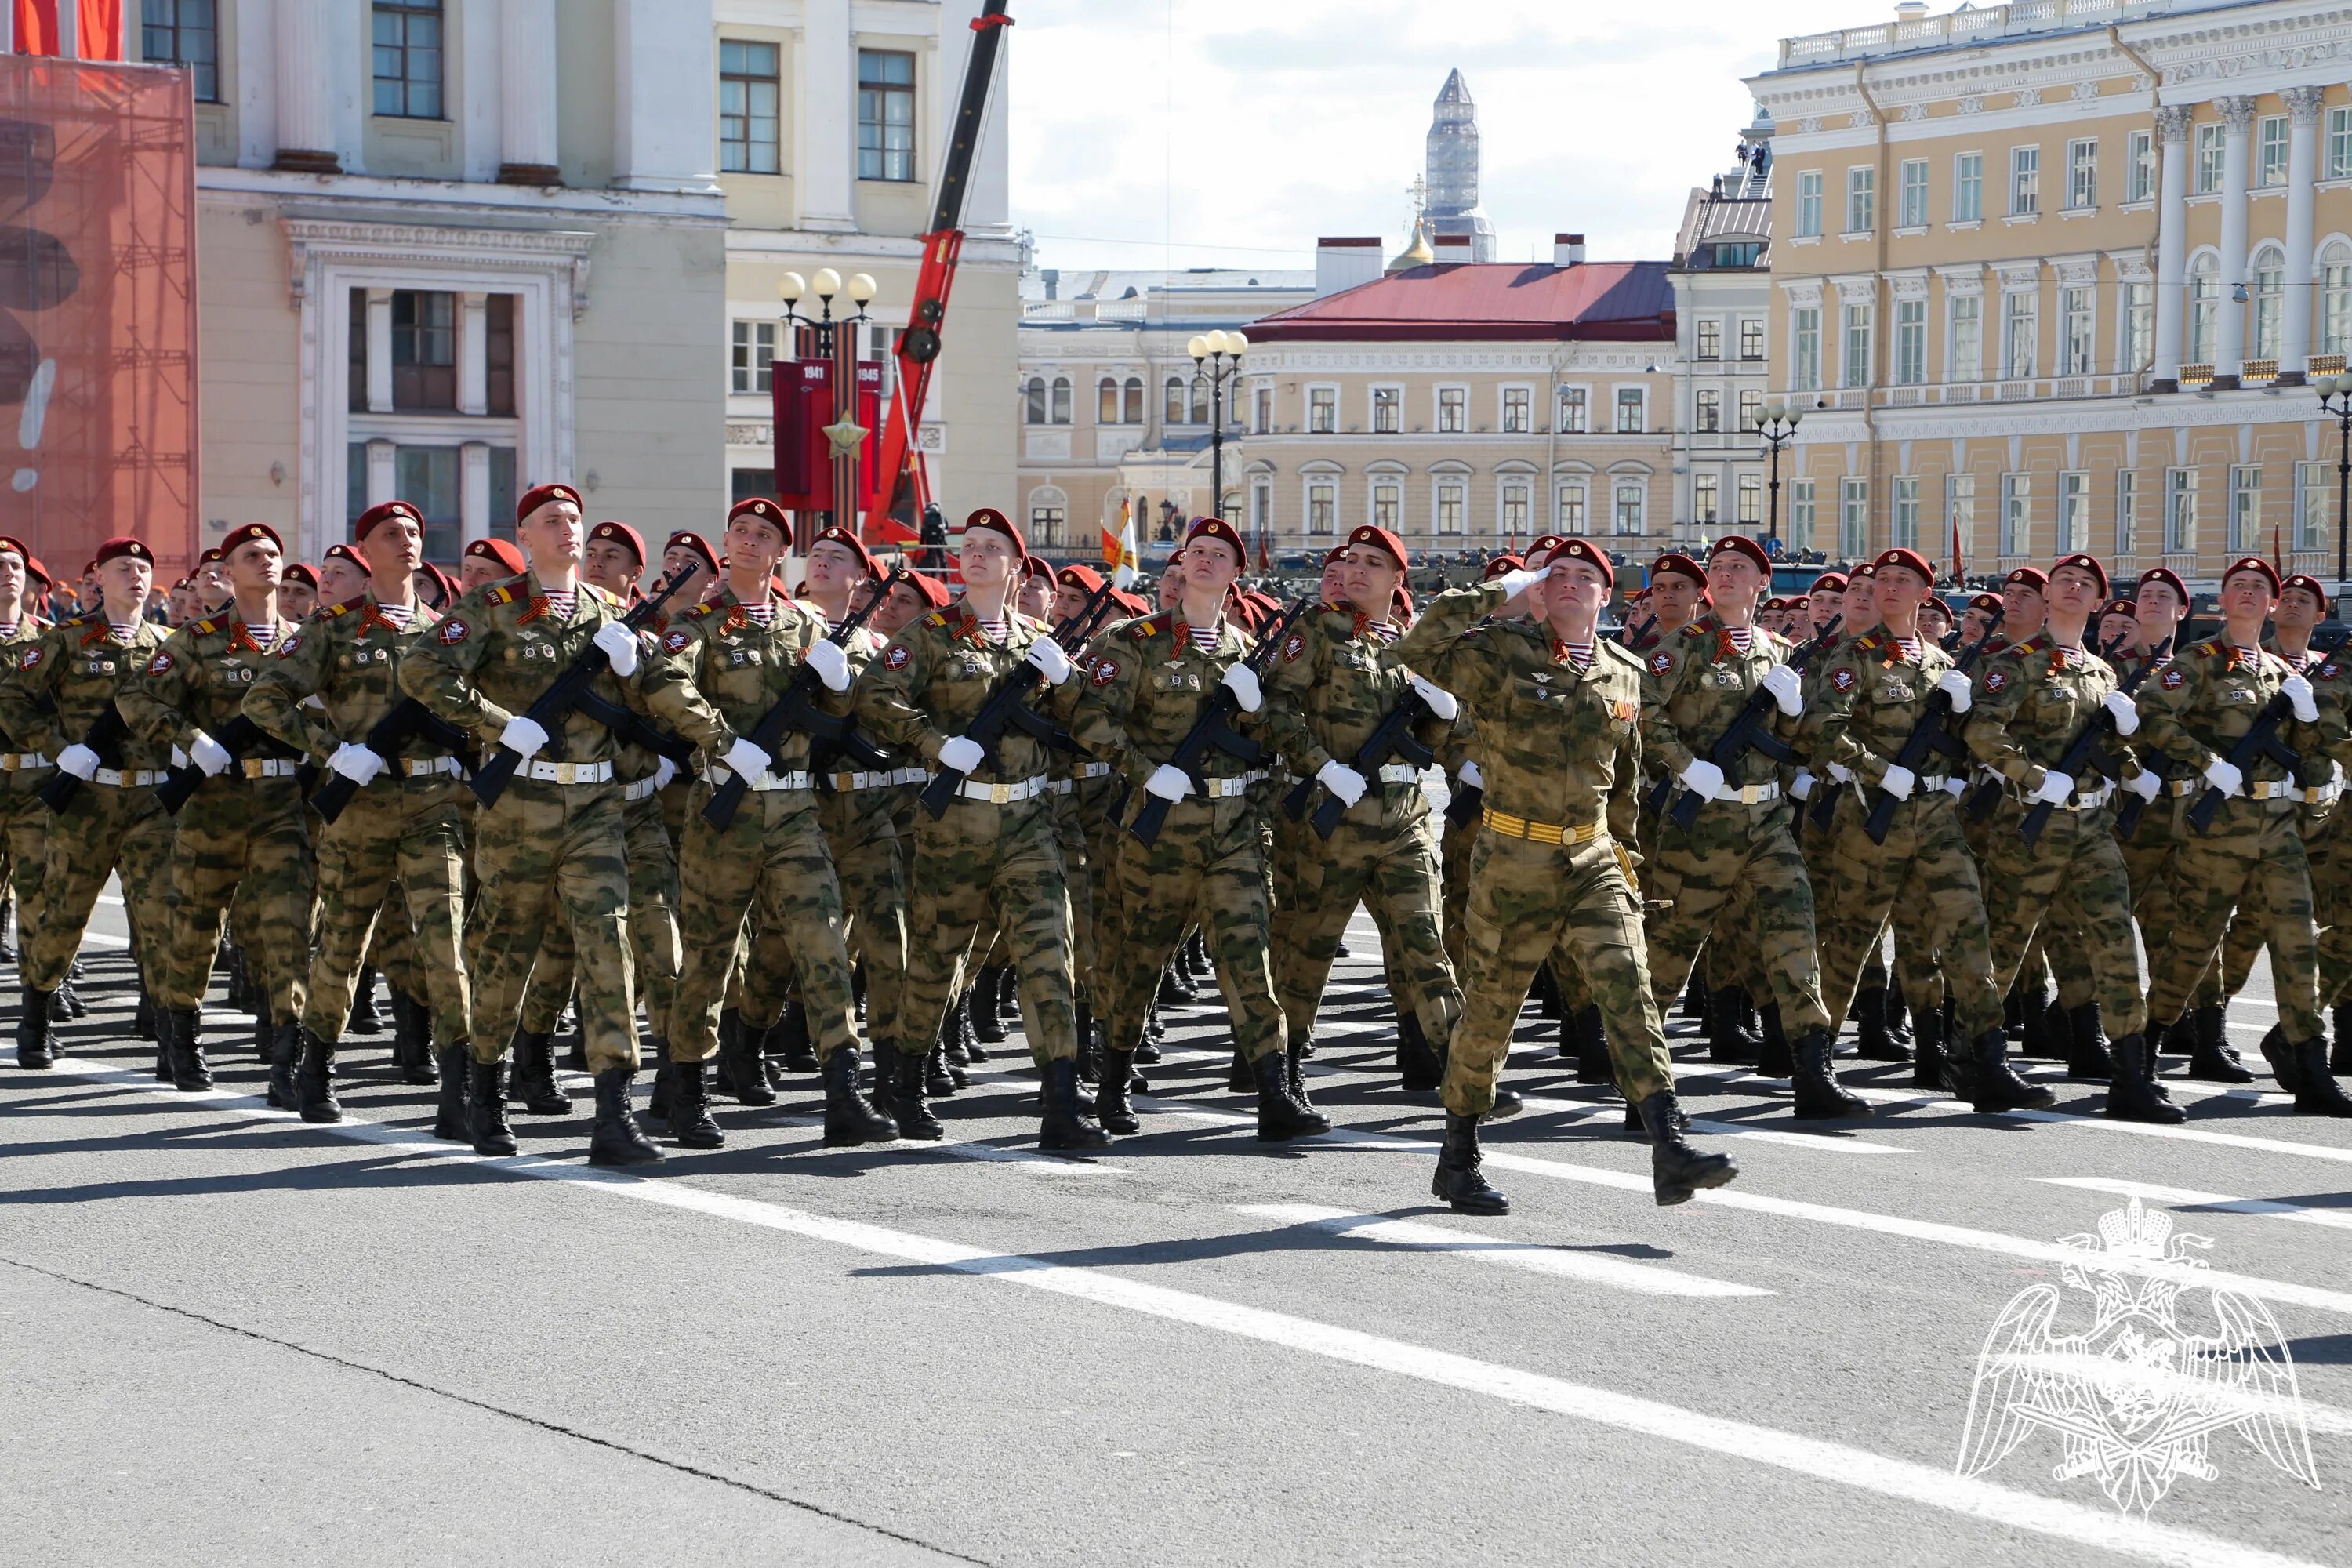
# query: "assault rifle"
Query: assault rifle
{"points": [[1929, 736], [1392, 738], [2261, 739], [107, 730], [1749, 729], [409, 719], [1986, 795], [2089, 748], [239, 736], [1007, 707], [1463, 802], [797, 710], [1214, 729], [549, 710]]}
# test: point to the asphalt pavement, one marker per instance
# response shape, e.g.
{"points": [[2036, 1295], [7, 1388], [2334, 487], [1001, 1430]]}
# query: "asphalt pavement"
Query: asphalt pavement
{"points": [[229, 1337]]}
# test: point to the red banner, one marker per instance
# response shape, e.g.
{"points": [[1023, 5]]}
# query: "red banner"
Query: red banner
{"points": [[803, 394], [97, 325], [101, 35], [36, 26]]}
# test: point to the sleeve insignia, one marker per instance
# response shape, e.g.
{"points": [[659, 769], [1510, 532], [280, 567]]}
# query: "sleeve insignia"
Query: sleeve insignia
{"points": [[1842, 680], [1693, 630], [1106, 671], [676, 639], [159, 665], [31, 657], [1996, 680], [2329, 671], [286, 649], [1292, 647], [1661, 662], [2172, 680], [897, 658], [453, 631]]}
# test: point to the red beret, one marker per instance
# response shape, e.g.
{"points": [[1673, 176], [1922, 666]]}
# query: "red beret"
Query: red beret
{"points": [[1989, 603], [1084, 579], [1911, 559], [1037, 566], [123, 545], [2169, 578], [1133, 604], [345, 553], [10, 542], [2252, 564], [990, 518], [621, 534], [2032, 577], [1682, 565], [687, 539], [501, 551], [245, 533], [1741, 544], [2304, 579], [2121, 607], [1543, 544], [836, 534], [1334, 555], [1865, 572], [766, 510], [296, 572], [1218, 528], [539, 495], [2083, 560], [1936, 602], [1381, 538], [1507, 561], [1591, 554], [1829, 582], [1402, 601], [383, 509], [934, 591], [211, 557], [33, 568]]}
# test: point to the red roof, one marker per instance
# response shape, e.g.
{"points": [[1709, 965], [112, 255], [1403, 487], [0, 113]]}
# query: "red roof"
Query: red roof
{"points": [[1602, 301]]}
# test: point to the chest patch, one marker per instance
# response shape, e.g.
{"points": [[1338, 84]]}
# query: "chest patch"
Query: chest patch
{"points": [[1895, 691], [897, 659], [159, 665], [2172, 680], [1106, 671], [1841, 680], [2239, 694], [453, 631], [1728, 680]]}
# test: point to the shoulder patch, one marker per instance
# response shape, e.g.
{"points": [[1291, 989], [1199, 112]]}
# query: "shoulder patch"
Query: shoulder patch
{"points": [[1293, 645], [1996, 680], [898, 658], [1841, 678], [159, 665], [453, 631], [936, 618], [30, 658], [331, 611], [2329, 670], [501, 595], [2173, 678], [1106, 670], [1693, 630], [206, 627], [676, 639], [1661, 662], [286, 649]]}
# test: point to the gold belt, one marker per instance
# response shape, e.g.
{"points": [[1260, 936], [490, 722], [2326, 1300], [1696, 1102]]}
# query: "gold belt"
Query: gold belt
{"points": [[1510, 827]]}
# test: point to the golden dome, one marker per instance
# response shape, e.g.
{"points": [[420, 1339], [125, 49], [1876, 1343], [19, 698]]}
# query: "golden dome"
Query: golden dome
{"points": [[1416, 254]]}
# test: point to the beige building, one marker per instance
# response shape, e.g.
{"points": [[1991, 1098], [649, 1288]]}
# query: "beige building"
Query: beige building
{"points": [[2054, 275]]}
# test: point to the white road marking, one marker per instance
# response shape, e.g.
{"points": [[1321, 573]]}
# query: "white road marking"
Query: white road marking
{"points": [[2337, 1219], [966, 1149], [1820, 1142], [1932, 1486], [1527, 1256]]}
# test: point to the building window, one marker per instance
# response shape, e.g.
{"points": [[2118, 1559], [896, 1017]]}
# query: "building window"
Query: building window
{"points": [[2139, 325], [2179, 510], [1752, 338], [1968, 337], [2313, 483], [2024, 181], [1903, 522], [1751, 408], [1322, 501], [1519, 410], [1262, 504], [498, 355], [1632, 496], [2246, 509], [753, 352], [1062, 400], [2075, 353], [1809, 205], [1800, 514], [423, 349], [2139, 174], [1034, 396], [1857, 327], [1967, 187], [1572, 412], [1910, 342], [1322, 410], [2204, 308], [2016, 514], [1706, 500], [2270, 151], [427, 478], [1633, 410], [1853, 518], [2019, 329], [2073, 512], [1514, 507], [2210, 153], [1452, 505], [1046, 523], [2126, 512], [748, 99], [1861, 199], [1805, 340], [2082, 174], [1452, 410], [1710, 339], [1261, 407], [1912, 209], [1567, 508], [1388, 504], [2340, 144], [886, 115], [1960, 509], [1707, 416], [1751, 502], [2270, 303], [185, 33], [1106, 401], [407, 53], [1388, 410]]}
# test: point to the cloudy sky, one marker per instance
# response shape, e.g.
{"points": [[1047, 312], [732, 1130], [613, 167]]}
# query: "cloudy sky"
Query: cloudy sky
{"points": [[1153, 134]]}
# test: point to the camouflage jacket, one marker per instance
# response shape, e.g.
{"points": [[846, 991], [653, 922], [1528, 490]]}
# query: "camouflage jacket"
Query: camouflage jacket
{"points": [[717, 673], [1695, 685], [935, 675], [63, 680], [348, 657], [498, 649], [1557, 744], [198, 681], [2207, 696], [1146, 687], [1868, 701], [1329, 687], [2027, 704]]}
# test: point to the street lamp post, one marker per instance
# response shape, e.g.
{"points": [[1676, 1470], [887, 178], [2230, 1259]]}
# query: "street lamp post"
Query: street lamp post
{"points": [[2336, 398], [1778, 428], [841, 348], [1218, 356]]}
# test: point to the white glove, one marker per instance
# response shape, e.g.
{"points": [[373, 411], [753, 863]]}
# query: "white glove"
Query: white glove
{"points": [[2125, 710], [2144, 783], [1341, 779], [1787, 686], [1514, 584], [748, 759], [179, 758], [356, 762], [1046, 657], [1167, 784], [1955, 685], [620, 646], [1955, 786], [2055, 788], [961, 755], [1840, 773], [1703, 778], [1802, 786], [79, 760], [524, 736], [1242, 682], [664, 773], [832, 665], [2223, 776], [1441, 701], [2297, 692], [1469, 775], [1899, 781], [209, 755]]}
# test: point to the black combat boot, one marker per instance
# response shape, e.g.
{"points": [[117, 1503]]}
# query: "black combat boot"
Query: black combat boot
{"points": [[967, 1038], [2033, 1004], [2058, 1032], [987, 1006], [2214, 1059], [2316, 1091], [1546, 991], [1693, 1003], [238, 989], [1678, 1170], [284, 1061], [66, 1003], [849, 1117], [364, 1018], [1592, 1063], [1196, 958], [2086, 1046], [449, 1119], [314, 1083], [1281, 1113], [1820, 1096], [1459, 1184], [33, 1051], [1176, 987], [411, 1039], [746, 1075], [1776, 1060], [941, 1077], [690, 1106], [142, 1019], [2280, 1056], [789, 1040], [665, 1079], [1637, 1128], [1417, 1067], [2132, 1093], [2012, 1008], [534, 1074], [899, 1080], [2339, 1060], [1929, 1034], [1113, 1108], [1239, 1078], [488, 1119], [1089, 1048], [1898, 1021], [1983, 1077], [1873, 1042], [1724, 1043], [1067, 1122], [265, 1039], [617, 1140], [163, 1045], [190, 1071]]}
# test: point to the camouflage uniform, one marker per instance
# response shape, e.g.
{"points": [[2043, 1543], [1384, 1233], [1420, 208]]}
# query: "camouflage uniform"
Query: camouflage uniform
{"points": [[854, 809], [24, 820]]}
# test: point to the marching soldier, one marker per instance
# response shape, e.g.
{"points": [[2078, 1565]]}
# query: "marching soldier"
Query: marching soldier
{"points": [[24, 820]]}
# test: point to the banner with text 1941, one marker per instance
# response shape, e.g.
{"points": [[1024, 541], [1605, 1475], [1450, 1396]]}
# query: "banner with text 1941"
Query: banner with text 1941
{"points": [[98, 318]]}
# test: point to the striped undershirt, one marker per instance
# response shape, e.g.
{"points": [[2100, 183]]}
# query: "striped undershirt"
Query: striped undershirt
{"points": [[563, 601], [764, 612], [398, 615], [262, 635], [1204, 638], [1579, 654], [123, 632], [1742, 638]]}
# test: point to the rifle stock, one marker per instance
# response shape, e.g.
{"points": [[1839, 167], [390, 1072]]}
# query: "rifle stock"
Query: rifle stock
{"points": [[2260, 741], [2086, 748], [1929, 733], [1746, 732], [1214, 728], [1008, 705], [107, 729], [408, 718]]}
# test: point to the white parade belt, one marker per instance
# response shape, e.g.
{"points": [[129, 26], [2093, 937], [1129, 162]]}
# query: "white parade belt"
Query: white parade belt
{"points": [[1399, 774], [568, 773], [843, 783], [427, 767], [1226, 789], [643, 789], [23, 761], [129, 778], [766, 781], [1004, 794], [268, 767]]}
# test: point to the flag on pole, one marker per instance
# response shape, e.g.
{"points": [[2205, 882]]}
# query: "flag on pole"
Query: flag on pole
{"points": [[1119, 549], [1959, 567]]}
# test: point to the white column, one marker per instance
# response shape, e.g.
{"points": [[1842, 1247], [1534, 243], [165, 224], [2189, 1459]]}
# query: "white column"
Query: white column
{"points": [[382, 485], [474, 489], [2302, 175], [665, 97], [473, 353], [824, 157], [527, 139], [306, 75], [2230, 348], [2172, 244], [379, 352]]}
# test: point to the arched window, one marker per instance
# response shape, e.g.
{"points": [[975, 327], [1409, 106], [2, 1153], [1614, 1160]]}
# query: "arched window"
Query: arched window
{"points": [[1036, 400], [1133, 397], [2270, 304], [1061, 400], [1107, 402], [1171, 403], [1199, 400], [2336, 298], [2204, 307]]}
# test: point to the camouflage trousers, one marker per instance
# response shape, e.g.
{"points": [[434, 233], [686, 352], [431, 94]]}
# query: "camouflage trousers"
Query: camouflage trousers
{"points": [[398, 836], [1818, 845], [24, 843], [1735, 881], [770, 865], [1078, 878], [1208, 865], [104, 830], [1383, 855], [1923, 879], [2250, 925], [983, 866], [864, 843], [653, 931], [2071, 881], [1455, 846], [246, 841], [550, 853], [1526, 901], [392, 946], [2252, 858]]}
